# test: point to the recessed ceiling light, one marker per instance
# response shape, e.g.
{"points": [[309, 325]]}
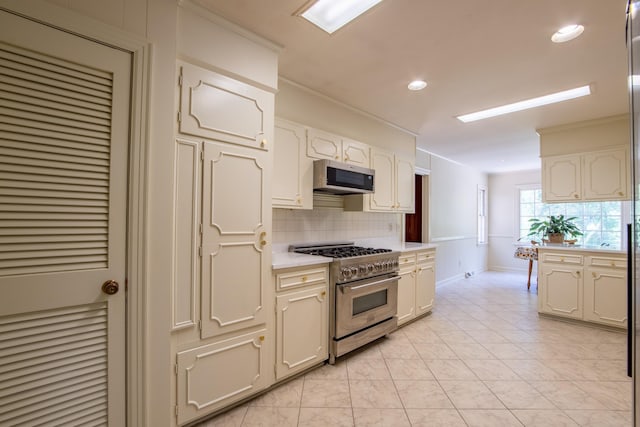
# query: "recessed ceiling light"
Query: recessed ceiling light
{"points": [[331, 15], [417, 85], [567, 33], [526, 104]]}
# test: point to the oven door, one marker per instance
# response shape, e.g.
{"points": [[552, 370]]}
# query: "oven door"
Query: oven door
{"points": [[364, 303]]}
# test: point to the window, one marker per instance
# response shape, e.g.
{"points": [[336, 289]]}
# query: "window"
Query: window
{"points": [[601, 222], [482, 215]]}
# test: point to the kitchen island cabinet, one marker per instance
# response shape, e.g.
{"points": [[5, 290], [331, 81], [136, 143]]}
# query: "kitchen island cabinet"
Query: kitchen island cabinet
{"points": [[302, 319], [417, 285], [585, 285]]}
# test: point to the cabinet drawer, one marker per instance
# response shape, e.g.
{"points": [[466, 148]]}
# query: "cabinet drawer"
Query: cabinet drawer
{"points": [[608, 262], [406, 260], [562, 258], [426, 256], [297, 279]]}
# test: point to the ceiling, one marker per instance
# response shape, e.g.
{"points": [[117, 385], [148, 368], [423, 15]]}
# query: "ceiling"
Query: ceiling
{"points": [[474, 54]]}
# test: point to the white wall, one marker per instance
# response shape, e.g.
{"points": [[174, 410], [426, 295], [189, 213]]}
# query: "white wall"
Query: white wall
{"points": [[453, 222], [503, 218], [308, 108]]}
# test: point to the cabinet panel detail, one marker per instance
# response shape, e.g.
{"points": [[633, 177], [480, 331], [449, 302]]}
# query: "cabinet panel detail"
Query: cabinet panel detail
{"points": [[236, 253], [213, 376], [606, 297], [425, 287], [236, 210], [185, 234], [562, 178], [323, 145], [292, 169], [286, 281], [235, 293], [217, 107], [562, 291], [302, 324]]}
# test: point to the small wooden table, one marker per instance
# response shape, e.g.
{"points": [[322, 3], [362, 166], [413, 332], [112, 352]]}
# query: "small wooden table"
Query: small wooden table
{"points": [[530, 253]]}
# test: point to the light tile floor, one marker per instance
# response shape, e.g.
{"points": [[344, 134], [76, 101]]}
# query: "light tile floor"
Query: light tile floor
{"points": [[482, 358]]}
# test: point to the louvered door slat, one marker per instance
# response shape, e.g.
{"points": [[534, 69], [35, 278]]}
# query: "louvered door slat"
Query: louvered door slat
{"points": [[52, 135], [23, 142], [15, 92], [43, 358], [36, 376], [61, 404], [31, 152], [37, 60], [32, 183], [43, 364], [51, 109], [72, 87], [16, 100], [86, 415], [20, 65]]}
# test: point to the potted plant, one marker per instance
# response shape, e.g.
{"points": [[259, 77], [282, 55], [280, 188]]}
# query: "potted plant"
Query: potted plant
{"points": [[555, 228]]}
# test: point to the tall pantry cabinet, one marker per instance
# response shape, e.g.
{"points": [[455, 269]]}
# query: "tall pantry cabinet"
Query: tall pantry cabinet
{"points": [[226, 352]]}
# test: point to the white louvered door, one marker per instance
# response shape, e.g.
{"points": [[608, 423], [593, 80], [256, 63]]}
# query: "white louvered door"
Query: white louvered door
{"points": [[64, 120]]}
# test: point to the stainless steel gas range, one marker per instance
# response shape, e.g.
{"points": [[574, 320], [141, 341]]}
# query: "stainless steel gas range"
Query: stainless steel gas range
{"points": [[363, 293]]}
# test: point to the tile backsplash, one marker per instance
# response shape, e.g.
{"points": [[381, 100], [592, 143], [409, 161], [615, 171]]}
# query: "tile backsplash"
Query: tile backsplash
{"points": [[293, 226]]}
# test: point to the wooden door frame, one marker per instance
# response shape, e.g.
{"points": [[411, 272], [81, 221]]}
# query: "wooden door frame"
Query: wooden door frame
{"points": [[139, 48]]}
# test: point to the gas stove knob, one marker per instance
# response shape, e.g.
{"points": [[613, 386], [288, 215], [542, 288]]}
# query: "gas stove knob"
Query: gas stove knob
{"points": [[370, 268], [362, 268], [385, 265], [346, 272], [377, 266]]}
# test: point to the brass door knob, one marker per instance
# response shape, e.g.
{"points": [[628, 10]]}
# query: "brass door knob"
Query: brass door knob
{"points": [[110, 287]]}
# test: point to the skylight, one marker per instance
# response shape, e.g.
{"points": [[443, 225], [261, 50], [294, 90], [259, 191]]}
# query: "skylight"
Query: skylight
{"points": [[526, 104], [331, 15]]}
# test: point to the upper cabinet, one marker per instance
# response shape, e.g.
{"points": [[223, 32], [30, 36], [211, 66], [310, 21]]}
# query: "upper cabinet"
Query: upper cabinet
{"points": [[245, 119], [292, 169], [325, 145], [394, 185], [596, 175], [586, 161]]}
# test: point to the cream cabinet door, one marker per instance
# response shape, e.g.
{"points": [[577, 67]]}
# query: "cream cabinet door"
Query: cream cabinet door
{"points": [[560, 290], [217, 107], [355, 153], [216, 375], [236, 230], [406, 295], [606, 175], [292, 169], [302, 324], [383, 199], [605, 296], [425, 287], [561, 178], [405, 185], [323, 145]]}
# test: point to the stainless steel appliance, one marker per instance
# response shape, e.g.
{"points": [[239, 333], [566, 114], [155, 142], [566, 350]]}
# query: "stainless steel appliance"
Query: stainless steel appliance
{"points": [[334, 177], [363, 293]]}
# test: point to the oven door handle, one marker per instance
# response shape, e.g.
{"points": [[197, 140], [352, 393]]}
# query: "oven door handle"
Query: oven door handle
{"points": [[346, 288]]}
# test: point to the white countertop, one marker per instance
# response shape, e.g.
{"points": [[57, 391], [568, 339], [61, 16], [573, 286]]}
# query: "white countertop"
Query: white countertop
{"points": [[283, 259], [563, 247]]}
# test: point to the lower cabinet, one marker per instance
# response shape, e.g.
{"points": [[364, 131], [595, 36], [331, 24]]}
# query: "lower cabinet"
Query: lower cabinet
{"points": [[587, 286], [417, 284], [216, 375], [605, 292], [302, 320]]}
